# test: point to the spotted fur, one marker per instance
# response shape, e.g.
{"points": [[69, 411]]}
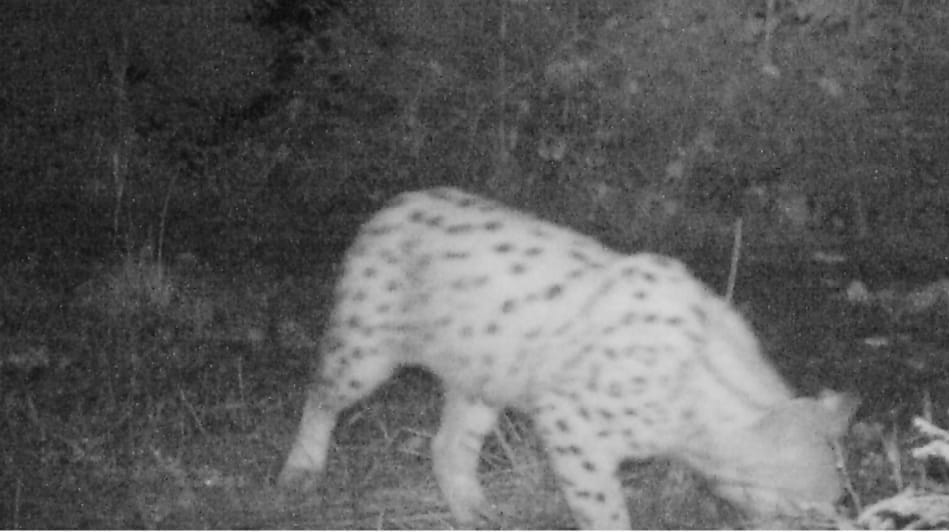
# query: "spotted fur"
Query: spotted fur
{"points": [[614, 356]]}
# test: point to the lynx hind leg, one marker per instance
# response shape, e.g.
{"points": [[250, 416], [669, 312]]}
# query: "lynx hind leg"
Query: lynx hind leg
{"points": [[348, 373], [586, 465], [456, 450]]}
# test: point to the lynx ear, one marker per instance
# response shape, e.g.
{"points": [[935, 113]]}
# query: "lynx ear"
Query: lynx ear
{"points": [[838, 410], [825, 417]]}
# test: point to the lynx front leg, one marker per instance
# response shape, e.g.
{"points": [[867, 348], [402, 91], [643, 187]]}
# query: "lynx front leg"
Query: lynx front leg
{"points": [[586, 465], [456, 450]]}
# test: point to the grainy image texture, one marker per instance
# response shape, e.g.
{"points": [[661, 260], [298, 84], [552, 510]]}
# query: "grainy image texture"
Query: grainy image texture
{"points": [[614, 357]]}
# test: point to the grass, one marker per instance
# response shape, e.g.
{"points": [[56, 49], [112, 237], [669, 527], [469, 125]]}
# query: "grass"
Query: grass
{"points": [[152, 399]]}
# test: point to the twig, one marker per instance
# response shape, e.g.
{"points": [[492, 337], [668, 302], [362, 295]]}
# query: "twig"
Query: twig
{"points": [[192, 411], [164, 218], [733, 267], [240, 390], [845, 476], [17, 494]]}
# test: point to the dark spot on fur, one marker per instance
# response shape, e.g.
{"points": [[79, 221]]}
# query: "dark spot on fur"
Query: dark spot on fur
{"points": [[392, 286], [553, 291], [674, 321], [355, 385], [614, 390], [331, 343], [467, 331], [640, 294], [417, 216], [518, 268], [532, 334], [493, 225], [649, 277], [359, 296], [369, 272], [508, 306], [582, 494], [562, 425], [504, 247], [434, 221], [353, 322], [588, 465], [423, 262], [606, 414], [650, 318], [533, 252], [456, 255], [459, 228], [374, 230], [575, 274], [603, 434], [629, 318], [568, 450], [600, 497], [467, 201], [583, 413], [488, 360], [610, 353], [580, 256], [632, 412], [491, 328]]}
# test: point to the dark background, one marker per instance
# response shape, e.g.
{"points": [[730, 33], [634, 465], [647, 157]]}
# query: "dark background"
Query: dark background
{"points": [[266, 130]]}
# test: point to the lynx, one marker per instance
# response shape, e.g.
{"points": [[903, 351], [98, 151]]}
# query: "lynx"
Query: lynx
{"points": [[613, 356]]}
